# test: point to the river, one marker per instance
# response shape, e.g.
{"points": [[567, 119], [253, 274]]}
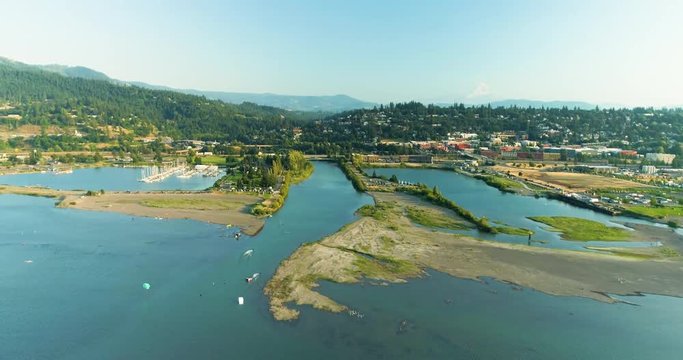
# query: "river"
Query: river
{"points": [[71, 288]]}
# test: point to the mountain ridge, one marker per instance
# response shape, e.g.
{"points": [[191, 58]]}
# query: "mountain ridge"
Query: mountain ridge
{"points": [[314, 103]]}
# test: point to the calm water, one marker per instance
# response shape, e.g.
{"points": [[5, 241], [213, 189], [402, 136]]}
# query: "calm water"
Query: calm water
{"points": [[81, 297], [511, 209], [107, 178]]}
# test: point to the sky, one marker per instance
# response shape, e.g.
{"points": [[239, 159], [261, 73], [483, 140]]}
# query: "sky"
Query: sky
{"points": [[607, 52]]}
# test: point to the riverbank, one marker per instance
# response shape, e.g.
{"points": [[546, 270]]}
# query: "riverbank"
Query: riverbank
{"points": [[273, 203], [385, 246]]}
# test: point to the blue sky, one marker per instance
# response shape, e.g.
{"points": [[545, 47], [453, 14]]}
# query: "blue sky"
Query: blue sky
{"points": [[623, 52]]}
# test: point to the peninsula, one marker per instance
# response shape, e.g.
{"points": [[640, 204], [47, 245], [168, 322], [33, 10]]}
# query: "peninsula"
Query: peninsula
{"points": [[215, 207]]}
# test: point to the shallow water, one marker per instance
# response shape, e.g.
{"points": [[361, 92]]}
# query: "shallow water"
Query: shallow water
{"points": [[82, 295]]}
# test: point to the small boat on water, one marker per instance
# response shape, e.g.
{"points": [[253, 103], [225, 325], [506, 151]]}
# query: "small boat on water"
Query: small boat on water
{"points": [[248, 252], [252, 277]]}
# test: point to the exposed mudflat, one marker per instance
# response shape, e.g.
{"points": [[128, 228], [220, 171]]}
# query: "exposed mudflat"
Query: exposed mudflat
{"points": [[387, 246]]}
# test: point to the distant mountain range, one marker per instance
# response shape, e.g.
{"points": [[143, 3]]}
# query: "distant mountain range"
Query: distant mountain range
{"points": [[323, 103], [328, 104]]}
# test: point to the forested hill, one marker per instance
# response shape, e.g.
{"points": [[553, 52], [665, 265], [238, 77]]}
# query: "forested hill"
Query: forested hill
{"points": [[319, 103], [636, 128], [48, 98]]}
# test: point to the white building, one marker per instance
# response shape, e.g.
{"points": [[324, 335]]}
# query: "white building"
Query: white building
{"points": [[657, 157], [648, 169]]}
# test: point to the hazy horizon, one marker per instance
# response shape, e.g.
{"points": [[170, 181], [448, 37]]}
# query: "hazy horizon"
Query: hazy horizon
{"points": [[436, 52]]}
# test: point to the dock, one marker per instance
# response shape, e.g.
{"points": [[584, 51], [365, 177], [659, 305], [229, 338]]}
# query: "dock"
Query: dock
{"points": [[153, 174]]}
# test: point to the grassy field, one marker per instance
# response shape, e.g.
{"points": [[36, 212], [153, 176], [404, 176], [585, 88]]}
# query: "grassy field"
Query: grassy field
{"points": [[658, 212], [577, 229], [195, 204], [432, 218], [213, 160]]}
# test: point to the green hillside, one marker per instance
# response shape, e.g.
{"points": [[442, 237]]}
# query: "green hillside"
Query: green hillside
{"points": [[44, 97]]}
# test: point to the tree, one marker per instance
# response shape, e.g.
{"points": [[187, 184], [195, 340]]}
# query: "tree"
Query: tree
{"points": [[34, 158], [157, 157], [191, 154], [393, 178], [268, 179], [277, 167]]}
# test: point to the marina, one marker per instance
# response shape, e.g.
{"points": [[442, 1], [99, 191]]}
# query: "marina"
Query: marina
{"points": [[109, 179], [152, 174]]}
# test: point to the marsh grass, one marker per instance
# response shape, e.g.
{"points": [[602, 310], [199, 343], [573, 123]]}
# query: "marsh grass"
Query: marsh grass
{"points": [[578, 229]]}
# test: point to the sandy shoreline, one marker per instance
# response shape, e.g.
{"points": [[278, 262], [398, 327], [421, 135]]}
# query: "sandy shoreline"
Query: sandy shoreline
{"points": [[215, 208], [212, 207], [390, 248], [36, 191]]}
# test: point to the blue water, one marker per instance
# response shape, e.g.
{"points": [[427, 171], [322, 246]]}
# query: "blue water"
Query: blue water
{"points": [[510, 209], [107, 178], [82, 296]]}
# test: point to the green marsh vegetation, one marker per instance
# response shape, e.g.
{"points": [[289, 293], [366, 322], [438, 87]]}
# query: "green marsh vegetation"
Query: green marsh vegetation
{"points": [[435, 197], [578, 229], [383, 267], [380, 211], [511, 230], [501, 183], [433, 218]]}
